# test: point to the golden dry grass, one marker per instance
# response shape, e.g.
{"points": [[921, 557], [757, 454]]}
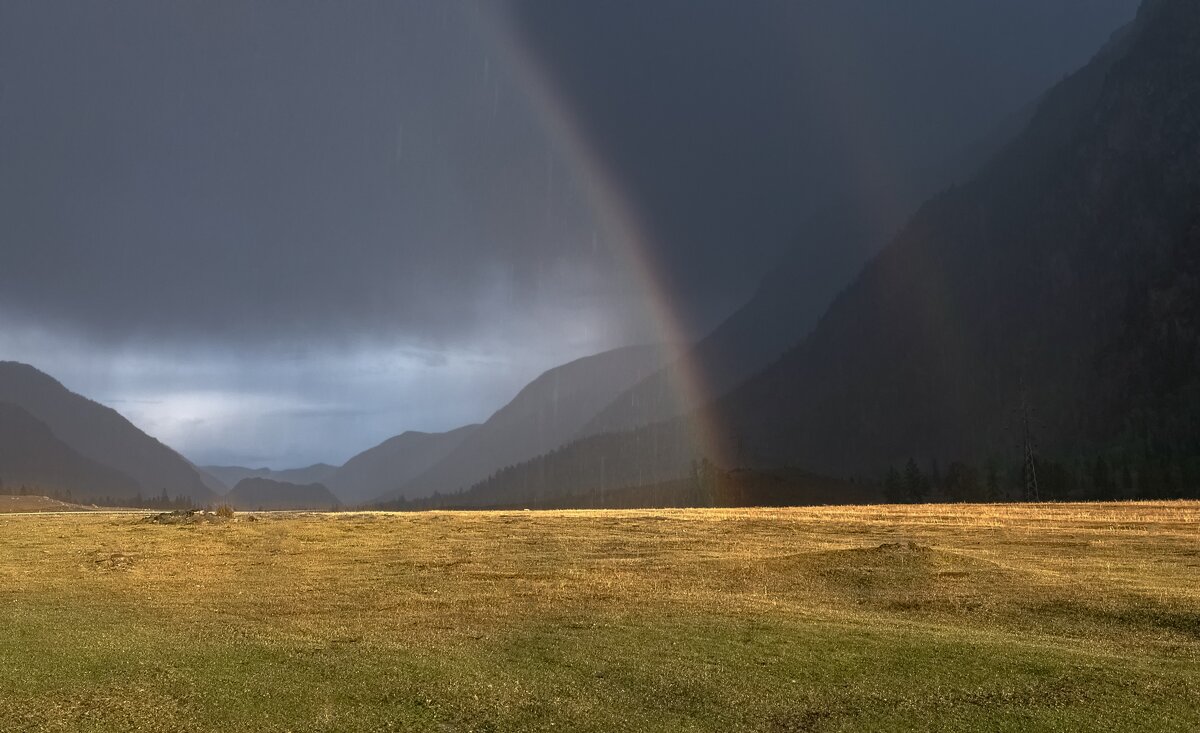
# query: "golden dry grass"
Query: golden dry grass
{"points": [[12, 504], [958, 617]]}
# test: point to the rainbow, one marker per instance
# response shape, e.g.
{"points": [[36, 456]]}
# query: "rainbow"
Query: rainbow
{"points": [[618, 216]]}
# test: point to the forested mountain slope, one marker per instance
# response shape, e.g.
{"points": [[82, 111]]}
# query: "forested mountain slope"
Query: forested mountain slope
{"points": [[1062, 282]]}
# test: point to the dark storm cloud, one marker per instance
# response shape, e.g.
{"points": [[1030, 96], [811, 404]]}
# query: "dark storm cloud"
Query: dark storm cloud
{"points": [[222, 216], [237, 170], [730, 120], [314, 170]]}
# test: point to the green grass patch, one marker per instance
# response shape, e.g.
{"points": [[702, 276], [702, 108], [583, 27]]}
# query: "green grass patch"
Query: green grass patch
{"points": [[781, 620]]}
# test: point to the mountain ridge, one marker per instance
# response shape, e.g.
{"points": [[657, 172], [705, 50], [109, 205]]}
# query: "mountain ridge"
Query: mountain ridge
{"points": [[229, 476], [546, 413], [1063, 275], [850, 231], [389, 465], [266, 494], [1006, 281], [32, 457], [100, 433]]}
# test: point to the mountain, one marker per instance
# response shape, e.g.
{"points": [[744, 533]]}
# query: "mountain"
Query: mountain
{"points": [[267, 494], [1062, 283], [1063, 278], [314, 474], [548, 412], [214, 484], [830, 246], [393, 463], [31, 456], [231, 475], [101, 434]]}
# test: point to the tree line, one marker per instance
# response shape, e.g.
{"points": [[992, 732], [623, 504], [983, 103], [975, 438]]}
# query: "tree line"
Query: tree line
{"points": [[1099, 478], [162, 501]]}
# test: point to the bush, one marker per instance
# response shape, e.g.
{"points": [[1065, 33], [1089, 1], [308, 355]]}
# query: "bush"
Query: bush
{"points": [[225, 511]]}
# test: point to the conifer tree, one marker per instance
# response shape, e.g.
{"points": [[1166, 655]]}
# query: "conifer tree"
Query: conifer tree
{"points": [[916, 486]]}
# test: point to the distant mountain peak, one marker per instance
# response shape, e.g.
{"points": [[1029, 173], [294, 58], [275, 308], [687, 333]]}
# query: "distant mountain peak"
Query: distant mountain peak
{"points": [[545, 414], [269, 494], [389, 465]]}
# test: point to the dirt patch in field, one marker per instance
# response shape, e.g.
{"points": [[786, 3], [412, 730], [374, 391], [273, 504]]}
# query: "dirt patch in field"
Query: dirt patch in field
{"points": [[112, 560]]}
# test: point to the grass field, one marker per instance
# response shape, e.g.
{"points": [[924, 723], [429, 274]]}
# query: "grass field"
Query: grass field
{"points": [[37, 504], [996, 618]]}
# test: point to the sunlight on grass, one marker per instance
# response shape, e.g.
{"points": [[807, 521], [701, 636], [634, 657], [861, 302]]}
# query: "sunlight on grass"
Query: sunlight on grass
{"points": [[1046, 617]]}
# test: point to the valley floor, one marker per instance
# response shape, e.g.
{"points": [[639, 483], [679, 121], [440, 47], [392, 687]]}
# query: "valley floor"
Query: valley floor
{"points": [[994, 617], [10, 504]]}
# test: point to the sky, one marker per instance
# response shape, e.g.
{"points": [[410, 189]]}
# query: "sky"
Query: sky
{"points": [[275, 234]]}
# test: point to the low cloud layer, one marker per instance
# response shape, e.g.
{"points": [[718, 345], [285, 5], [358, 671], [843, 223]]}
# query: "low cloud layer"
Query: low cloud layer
{"points": [[278, 408]]}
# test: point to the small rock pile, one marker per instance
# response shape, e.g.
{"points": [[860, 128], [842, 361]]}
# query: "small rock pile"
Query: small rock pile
{"points": [[190, 516]]}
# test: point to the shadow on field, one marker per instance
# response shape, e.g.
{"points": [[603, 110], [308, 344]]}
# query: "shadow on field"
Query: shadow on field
{"points": [[1134, 613], [922, 582], [899, 576]]}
